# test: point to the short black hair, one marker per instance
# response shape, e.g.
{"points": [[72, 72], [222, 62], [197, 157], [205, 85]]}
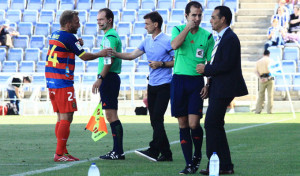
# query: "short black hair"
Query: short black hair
{"points": [[27, 78], [225, 11], [67, 17], [108, 14], [266, 52], [154, 17], [190, 4]]}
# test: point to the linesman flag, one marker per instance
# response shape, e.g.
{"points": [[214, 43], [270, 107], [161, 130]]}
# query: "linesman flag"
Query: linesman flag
{"points": [[97, 124]]}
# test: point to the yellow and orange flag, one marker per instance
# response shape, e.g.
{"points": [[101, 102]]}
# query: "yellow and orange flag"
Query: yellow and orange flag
{"points": [[97, 124]]}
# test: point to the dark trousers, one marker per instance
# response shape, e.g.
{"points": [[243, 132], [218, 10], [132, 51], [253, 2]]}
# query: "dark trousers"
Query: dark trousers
{"points": [[216, 140], [13, 98], [158, 99]]}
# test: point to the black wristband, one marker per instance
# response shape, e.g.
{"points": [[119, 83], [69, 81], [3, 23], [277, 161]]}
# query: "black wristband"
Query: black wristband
{"points": [[163, 65], [100, 76]]}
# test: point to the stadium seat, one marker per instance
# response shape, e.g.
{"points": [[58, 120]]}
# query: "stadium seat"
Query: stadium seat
{"points": [[207, 15], [21, 41], [211, 4], [124, 41], [124, 28], [139, 28], [47, 16], [170, 26], [42, 29], [135, 40], [51, 5], [128, 16], [40, 66], [91, 29], [164, 4], [30, 16], [89, 79], [232, 4], [80, 67], [84, 5], [44, 54], [296, 82], [164, 14], [117, 16], [116, 5], [55, 27], [142, 66], [15, 54], [125, 82], [13, 16], [93, 16], [77, 79], [291, 53], [37, 41], [128, 66], [91, 67], [140, 81], [99, 4], [4, 5], [66, 5], [2, 16], [27, 66], [18, 5], [275, 53], [98, 40], [177, 15], [10, 66], [180, 4], [141, 13], [2, 54], [132, 4], [95, 50], [148, 4], [79, 31], [25, 28], [202, 2], [38, 80], [34, 5], [289, 66], [280, 84], [82, 14], [32, 54], [3, 80], [57, 16], [207, 26]]}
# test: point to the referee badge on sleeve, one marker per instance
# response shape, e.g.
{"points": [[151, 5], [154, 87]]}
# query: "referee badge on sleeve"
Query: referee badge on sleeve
{"points": [[199, 53]]}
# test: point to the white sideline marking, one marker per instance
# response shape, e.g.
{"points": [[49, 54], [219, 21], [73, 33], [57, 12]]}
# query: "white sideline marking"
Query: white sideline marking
{"points": [[67, 165]]}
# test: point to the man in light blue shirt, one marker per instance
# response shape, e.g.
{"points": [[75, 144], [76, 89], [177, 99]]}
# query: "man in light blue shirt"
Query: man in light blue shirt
{"points": [[160, 57]]}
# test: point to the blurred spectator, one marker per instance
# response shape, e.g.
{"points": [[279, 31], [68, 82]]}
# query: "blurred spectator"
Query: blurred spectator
{"points": [[14, 84], [275, 35], [6, 34], [283, 4], [295, 20], [283, 19], [266, 82]]}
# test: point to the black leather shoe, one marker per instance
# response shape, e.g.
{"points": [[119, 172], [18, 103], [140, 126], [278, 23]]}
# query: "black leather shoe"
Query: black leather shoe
{"points": [[165, 158]]}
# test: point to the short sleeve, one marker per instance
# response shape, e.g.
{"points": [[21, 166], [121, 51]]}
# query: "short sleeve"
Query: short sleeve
{"points": [[74, 45], [170, 49], [114, 42], [175, 32]]}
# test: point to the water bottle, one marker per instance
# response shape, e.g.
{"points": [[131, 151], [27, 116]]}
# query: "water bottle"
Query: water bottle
{"points": [[106, 44], [214, 165], [93, 170]]}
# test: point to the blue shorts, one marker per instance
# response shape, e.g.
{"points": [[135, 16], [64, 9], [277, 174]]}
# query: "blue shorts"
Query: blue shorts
{"points": [[109, 91], [185, 95]]}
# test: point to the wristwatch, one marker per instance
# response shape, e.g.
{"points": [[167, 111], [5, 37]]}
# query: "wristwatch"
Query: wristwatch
{"points": [[100, 77]]}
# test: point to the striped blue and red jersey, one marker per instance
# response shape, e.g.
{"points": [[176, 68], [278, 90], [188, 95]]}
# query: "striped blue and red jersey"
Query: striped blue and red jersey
{"points": [[60, 62]]}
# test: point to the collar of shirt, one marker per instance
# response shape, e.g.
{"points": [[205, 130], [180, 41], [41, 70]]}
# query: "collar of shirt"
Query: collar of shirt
{"points": [[157, 36], [220, 34]]}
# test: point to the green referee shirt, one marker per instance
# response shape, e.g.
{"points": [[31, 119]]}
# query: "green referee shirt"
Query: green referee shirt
{"points": [[195, 49], [116, 43]]}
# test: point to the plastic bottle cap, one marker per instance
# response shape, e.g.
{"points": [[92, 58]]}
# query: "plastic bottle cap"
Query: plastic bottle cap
{"points": [[214, 152], [93, 163]]}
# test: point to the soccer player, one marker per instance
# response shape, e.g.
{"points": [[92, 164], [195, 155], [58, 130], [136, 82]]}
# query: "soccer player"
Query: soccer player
{"points": [[108, 83], [193, 46], [160, 56], [59, 71]]}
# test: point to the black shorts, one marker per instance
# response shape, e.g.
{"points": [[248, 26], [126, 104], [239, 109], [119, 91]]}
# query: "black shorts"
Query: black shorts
{"points": [[109, 91]]}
